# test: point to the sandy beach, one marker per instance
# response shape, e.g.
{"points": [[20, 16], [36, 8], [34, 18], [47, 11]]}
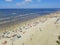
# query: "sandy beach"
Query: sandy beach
{"points": [[43, 30]]}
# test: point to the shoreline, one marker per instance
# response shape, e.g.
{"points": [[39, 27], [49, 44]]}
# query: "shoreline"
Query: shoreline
{"points": [[12, 25]]}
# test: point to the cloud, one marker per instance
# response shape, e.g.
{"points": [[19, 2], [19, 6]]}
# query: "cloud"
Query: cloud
{"points": [[20, 3], [23, 3], [8, 0], [32, 0], [28, 0]]}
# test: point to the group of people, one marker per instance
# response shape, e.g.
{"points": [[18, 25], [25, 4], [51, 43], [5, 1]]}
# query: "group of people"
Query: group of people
{"points": [[19, 30], [18, 33]]}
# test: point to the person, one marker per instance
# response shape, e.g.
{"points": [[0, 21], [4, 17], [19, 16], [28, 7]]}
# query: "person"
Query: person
{"points": [[5, 42]]}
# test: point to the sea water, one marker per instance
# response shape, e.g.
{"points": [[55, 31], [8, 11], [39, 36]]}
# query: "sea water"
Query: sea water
{"points": [[11, 15]]}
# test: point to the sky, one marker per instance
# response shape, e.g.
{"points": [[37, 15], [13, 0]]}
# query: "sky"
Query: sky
{"points": [[29, 4]]}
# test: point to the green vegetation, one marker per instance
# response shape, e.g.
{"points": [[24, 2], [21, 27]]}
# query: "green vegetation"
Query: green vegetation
{"points": [[58, 41]]}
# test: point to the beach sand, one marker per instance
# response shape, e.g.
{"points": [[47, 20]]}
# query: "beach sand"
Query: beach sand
{"points": [[43, 30]]}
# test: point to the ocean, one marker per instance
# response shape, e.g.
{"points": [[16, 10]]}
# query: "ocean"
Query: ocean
{"points": [[12, 15]]}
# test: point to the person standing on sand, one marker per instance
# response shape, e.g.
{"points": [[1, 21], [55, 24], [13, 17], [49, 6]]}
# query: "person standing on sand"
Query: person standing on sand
{"points": [[4, 43]]}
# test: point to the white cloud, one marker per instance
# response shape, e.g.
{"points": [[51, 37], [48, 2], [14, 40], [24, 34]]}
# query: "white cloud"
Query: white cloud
{"points": [[8, 0], [25, 2], [19, 4], [28, 0], [32, 0]]}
